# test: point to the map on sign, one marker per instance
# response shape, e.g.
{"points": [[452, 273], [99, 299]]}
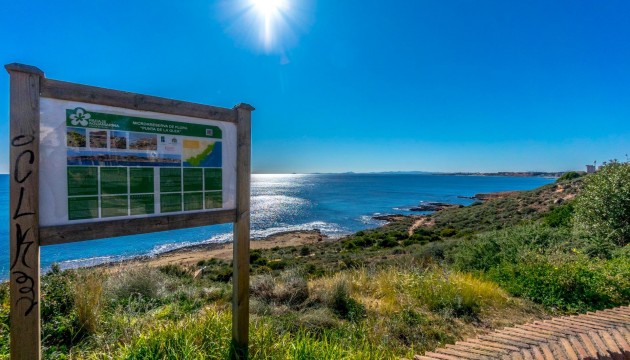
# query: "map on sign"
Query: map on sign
{"points": [[201, 153]]}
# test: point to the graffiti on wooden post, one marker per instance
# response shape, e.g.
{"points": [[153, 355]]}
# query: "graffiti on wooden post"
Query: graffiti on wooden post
{"points": [[22, 171]]}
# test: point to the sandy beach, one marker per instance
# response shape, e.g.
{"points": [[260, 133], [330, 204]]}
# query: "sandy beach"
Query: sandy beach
{"points": [[191, 255]]}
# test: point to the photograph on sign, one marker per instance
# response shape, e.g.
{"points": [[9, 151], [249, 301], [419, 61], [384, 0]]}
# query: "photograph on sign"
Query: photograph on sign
{"points": [[105, 163]]}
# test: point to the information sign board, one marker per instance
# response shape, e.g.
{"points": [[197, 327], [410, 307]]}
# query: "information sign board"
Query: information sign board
{"points": [[90, 163]]}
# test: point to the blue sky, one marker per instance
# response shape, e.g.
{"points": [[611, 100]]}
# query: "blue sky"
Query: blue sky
{"points": [[440, 85]]}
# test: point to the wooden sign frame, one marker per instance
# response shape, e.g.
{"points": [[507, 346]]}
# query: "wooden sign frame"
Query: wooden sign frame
{"points": [[27, 85]]}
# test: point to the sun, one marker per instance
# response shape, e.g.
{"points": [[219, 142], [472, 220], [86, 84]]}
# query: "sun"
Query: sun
{"points": [[269, 8], [270, 13], [271, 25]]}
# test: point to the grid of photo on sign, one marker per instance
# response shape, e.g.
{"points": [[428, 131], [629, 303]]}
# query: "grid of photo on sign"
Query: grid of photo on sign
{"points": [[112, 191], [189, 189]]}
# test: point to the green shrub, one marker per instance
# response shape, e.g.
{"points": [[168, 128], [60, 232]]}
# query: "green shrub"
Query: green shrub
{"points": [[569, 283], [343, 304], [290, 288], [560, 216], [455, 294], [254, 255], [277, 264], [317, 320], [260, 261], [175, 271], [510, 245], [602, 209], [61, 328], [143, 283], [436, 250], [404, 327], [569, 175], [388, 242], [362, 241], [314, 270], [448, 232], [412, 241]]}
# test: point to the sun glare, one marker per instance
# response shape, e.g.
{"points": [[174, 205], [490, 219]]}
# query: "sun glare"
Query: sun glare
{"points": [[270, 13], [273, 25], [268, 7]]}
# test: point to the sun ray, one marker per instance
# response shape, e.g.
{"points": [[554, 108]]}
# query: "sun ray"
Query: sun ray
{"points": [[268, 24]]}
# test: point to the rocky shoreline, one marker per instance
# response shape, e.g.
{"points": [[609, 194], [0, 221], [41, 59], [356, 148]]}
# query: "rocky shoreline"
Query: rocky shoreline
{"points": [[435, 206]]}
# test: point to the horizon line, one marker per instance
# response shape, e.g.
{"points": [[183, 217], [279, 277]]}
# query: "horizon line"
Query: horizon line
{"points": [[402, 171]]}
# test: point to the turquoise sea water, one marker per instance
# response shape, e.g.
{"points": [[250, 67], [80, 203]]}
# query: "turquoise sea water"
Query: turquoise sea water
{"points": [[337, 204]]}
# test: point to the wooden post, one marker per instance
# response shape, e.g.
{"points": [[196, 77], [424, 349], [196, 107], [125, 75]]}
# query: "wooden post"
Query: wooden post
{"points": [[24, 211], [240, 277]]}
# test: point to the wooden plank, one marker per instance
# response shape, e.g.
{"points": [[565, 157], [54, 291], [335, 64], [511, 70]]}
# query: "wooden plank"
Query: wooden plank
{"points": [[579, 349], [537, 353], [546, 351], [601, 348], [52, 235], [440, 356], [623, 344], [24, 212], [472, 350], [240, 278], [478, 345], [568, 349], [94, 95], [527, 355], [461, 354], [611, 346]]}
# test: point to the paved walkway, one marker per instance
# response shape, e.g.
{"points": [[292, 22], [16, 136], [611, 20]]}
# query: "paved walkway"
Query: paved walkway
{"points": [[599, 335]]}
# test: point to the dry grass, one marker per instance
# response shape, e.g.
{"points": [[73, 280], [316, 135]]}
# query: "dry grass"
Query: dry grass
{"points": [[88, 300]]}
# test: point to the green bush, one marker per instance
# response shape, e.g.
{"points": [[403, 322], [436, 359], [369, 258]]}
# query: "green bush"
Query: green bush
{"points": [[254, 255], [436, 250], [560, 216], [454, 293], [602, 209], [290, 288], [61, 328], [388, 242], [143, 284], [175, 271], [569, 175], [569, 283], [448, 232], [277, 264], [343, 304], [510, 245]]}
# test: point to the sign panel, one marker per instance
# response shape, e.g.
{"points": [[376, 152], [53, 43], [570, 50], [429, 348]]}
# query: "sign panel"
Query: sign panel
{"points": [[106, 163]]}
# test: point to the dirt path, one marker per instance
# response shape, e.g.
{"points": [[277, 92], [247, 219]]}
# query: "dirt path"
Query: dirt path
{"points": [[599, 335], [423, 221]]}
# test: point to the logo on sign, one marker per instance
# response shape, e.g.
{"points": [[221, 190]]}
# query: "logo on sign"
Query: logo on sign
{"points": [[80, 117]]}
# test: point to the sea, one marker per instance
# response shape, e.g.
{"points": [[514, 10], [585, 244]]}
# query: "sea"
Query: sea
{"points": [[335, 204]]}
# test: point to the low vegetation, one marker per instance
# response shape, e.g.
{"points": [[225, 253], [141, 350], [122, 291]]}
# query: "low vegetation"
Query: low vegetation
{"points": [[410, 286]]}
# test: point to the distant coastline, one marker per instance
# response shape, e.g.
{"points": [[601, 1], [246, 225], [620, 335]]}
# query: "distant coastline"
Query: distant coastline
{"points": [[509, 173]]}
